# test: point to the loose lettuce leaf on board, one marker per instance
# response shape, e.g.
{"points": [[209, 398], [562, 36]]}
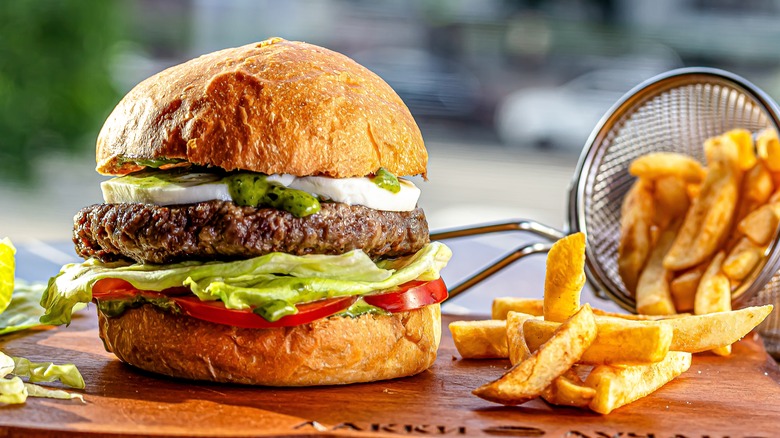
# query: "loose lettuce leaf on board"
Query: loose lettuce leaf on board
{"points": [[36, 372], [41, 391], [7, 270], [12, 391], [18, 311], [15, 391], [25, 309]]}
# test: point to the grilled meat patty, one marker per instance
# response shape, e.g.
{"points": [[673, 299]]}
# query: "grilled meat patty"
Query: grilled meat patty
{"points": [[218, 230]]}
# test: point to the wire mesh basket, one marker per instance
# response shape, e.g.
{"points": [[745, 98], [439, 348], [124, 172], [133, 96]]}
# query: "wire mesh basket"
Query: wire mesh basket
{"points": [[674, 112]]}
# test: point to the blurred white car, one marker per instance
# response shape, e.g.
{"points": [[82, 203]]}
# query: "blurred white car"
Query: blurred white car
{"points": [[563, 117]]}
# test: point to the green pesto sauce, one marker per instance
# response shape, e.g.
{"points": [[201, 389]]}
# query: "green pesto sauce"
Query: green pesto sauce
{"points": [[153, 163], [361, 307], [272, 311], [253, 189], [386, 180], [114, 308]]}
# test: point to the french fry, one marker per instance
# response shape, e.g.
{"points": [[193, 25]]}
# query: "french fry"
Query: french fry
{"points": [[528, 379], [742, 259], [683, 288], [518, 349], [564, 278], [619, 341], [636, 221], [744, 141], [659, 164], [533, 306], [653, 296], [569, 390], [671, 200], [693, 190], [697, 333], [709, 219], [503, 305], [769, 149], [775, 197], [760, 226], [757, 187], [714, 291], [714, 294], [636, 317], [483, 339], [617, 386]]}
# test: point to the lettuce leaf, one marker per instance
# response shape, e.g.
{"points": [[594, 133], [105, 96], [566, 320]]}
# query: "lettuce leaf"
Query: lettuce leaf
{"points": [[255, 282], [14, 390], [48, 372], [18, 310], [7, 269], [40, 391], [7, 364], [276, 297], [24, 310]]}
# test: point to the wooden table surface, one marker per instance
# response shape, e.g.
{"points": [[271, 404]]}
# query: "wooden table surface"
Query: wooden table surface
{"points": [[737, 396]]}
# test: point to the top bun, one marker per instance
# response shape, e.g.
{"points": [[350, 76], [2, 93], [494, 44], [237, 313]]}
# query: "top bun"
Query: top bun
{"points": [[273, 107]]}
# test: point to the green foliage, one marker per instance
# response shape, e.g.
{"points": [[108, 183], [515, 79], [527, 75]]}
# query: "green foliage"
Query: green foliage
{"points": [[55, 88]]}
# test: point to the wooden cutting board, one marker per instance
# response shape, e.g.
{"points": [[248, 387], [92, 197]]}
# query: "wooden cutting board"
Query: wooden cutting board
{"points": [[736, 397]]}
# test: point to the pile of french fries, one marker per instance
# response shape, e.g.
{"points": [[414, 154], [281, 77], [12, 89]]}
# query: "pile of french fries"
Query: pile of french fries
{"points": [[690, 235], [573, 355]]}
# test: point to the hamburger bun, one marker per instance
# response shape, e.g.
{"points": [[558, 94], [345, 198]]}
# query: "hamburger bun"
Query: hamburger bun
{"points": [[258, 231], [331, 351], [272, 107]]}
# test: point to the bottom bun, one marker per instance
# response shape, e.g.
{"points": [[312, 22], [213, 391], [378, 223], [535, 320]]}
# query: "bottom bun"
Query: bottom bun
{"points": [[330, 351]]}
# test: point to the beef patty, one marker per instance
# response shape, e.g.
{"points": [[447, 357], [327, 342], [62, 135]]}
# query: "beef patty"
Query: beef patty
{"points": [[218, 230]]}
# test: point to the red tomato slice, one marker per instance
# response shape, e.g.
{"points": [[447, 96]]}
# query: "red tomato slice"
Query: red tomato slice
{"points": [[110, 286], [410, 296], [215, 311], [114, 289]]}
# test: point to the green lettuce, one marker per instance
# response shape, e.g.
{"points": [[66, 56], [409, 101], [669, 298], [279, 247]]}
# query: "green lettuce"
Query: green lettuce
{"points": [[25, 310], [12, 391], [36, 372], [7, 269], [15, 391], [40, 391], [271, 284], [18, 312]]}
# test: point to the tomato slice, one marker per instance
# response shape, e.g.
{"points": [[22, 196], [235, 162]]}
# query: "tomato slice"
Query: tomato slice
{"points": [[410, 296], [215, 311], [112, 286], [114, 289]]}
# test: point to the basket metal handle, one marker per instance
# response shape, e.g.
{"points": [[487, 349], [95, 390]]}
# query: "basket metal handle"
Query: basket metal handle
{"points": [[541, 230]]}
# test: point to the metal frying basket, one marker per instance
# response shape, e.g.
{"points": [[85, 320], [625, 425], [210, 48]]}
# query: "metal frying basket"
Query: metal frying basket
{"points": [[675, 111]]}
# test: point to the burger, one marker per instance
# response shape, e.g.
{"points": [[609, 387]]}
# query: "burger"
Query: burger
{"points": [[258, 228]]}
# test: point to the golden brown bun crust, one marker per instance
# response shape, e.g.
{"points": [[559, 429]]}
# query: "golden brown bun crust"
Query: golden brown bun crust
{"points": [[273, 107], [326, 352]]}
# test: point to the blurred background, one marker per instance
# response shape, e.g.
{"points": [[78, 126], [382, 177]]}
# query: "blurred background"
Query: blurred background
{"points": [[505, 92]]}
